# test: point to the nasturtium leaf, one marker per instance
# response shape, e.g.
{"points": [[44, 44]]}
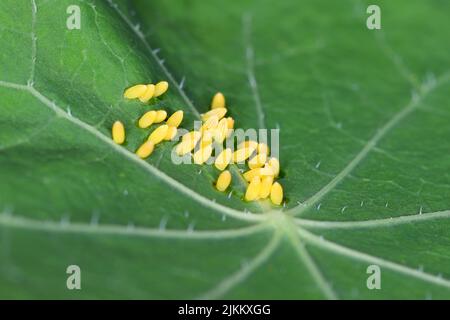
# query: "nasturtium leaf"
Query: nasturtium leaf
{"points": [[364, 150]]}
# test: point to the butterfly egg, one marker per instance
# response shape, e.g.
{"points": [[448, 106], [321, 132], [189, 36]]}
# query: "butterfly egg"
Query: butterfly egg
{"points": [[266, 170], [230, 122], [220, 133], [209, 124], [253, 189], [145, 149], [180, 149], [248, 144], [159, 134], [118, 132], [266, 186], [240, 155], [161, 115], [135, 91], [250, 174], [202, 154], [192, 136], [148, 94], [223, 181], [257, 161], [218, 101], [275, 165], [175, 119], [219, 113], [188, 142], [276, 193], [160, 88], [207, 138], [147, 119], [171, 133], [223, 159], [183, 148], [263, 148]]}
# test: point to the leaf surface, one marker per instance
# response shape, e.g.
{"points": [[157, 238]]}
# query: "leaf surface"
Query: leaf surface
{"points": [[363, 118]]}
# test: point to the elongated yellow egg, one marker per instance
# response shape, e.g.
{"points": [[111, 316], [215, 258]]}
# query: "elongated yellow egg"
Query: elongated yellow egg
{"points": [[275, 165], [266, 186], [253, 189], [175, 119], [192, 136], [240, 155], [248, 144], [219, 113], [223, 181], [207, 138], [250, 174], [263, 148], [266, 170], [220, 133], [135, 91], [145, 149], [223, 159], [276, 193], [230, 122], [147, 119], [183, 147], [171, 133], [188, 142], [118, 132], [203, 154], [218, 101], [209, 124], [260, 172], [161, 115], [257, 161], [159, 134], [160, 88], [148, 94]]}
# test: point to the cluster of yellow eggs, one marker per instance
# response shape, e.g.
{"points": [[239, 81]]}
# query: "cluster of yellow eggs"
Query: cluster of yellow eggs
{"points": [[215, 128], [163, 132]]}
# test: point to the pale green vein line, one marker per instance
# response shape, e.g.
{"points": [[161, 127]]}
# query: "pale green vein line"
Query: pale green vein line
{"points": [[30, 136], [397, 60], [313, 269], [370, 145], [33, 41], [374, 223], [389, 52], [141, 36], [240, 276], [360, 256], [250, 60], [13, 221], [105, 43], [130, 156], [11, 85]]}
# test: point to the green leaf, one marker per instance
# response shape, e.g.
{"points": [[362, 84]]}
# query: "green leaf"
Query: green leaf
{"points": [[363, 118]]}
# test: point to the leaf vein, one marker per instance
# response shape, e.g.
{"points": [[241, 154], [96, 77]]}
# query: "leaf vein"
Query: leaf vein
{"points": [[369, 146], [361, 256], [7, 220]]}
